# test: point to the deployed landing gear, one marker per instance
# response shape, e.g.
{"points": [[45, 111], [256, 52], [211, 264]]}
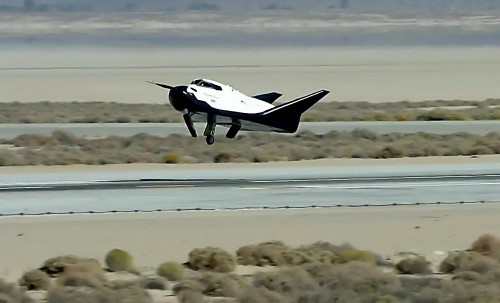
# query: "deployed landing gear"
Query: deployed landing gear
{"points": [[189, 124], [210, 129], [234, 129]]}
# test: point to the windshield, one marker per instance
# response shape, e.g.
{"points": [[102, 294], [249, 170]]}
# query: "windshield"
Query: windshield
{"points": [[201, 83]]}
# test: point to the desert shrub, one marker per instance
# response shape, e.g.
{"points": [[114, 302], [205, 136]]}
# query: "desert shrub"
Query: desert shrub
{"points": [[154, 282], [189, 296], [216, 284], [188, 285], [35, 280], [119, 260], [116, 292], [171, 158], [82, 275], [173, 271], [388, 152], [415, 265], [460, 291], [442, 114], [211, 259], [96, 112], [386, 299], [487, 245], [352, 281], [276, 253], [289, 282], [315, 253], [130, 291], [270, 253], [467, 261], [359, 143], [261, 295], [11, 293], [55, 266], [65, 137], [350, 255]]}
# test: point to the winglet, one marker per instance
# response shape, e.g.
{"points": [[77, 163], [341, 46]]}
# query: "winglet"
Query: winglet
{"points": [[161, 85]]}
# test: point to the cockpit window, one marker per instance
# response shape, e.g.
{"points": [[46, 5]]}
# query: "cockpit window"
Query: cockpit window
{"points": [[201, 83]]}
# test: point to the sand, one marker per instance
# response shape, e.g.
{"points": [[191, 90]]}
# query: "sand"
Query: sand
{"points": [[153, 238], [304, 163], [351, 73]]}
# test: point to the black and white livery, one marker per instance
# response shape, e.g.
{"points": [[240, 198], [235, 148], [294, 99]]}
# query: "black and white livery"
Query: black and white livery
{"points": [[208, 101]]}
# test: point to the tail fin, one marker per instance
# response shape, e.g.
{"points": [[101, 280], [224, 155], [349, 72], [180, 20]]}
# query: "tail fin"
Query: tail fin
{"points": [[287, 115]]}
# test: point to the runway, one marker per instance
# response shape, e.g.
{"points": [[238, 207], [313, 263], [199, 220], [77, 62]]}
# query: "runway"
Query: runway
{"points": [[164, 129], [229, 189]]}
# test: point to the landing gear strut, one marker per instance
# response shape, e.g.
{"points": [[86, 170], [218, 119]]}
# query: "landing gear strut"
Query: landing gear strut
{"points": [[234, 129], [210, 129]]}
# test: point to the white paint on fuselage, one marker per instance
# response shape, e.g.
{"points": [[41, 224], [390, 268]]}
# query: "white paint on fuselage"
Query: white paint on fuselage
{"points": [[227, 98]]}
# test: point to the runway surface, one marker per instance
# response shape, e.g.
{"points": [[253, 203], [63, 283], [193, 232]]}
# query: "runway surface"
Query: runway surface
{"points": [[165, 129], [185, 189]]}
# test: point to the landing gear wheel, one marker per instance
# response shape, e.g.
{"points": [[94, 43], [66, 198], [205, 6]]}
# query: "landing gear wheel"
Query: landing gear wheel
{"points": [[210, 140]]}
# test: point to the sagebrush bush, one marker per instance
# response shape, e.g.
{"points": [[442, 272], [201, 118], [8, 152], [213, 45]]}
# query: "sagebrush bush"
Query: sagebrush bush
{"points": [[263, 254], [154, 282], [35, 280], [211, 259], [288, 282], [171, 158], [414, 266], [467, 261], [82, 274], [350, 255], [119, 260], [189, 296], [261, 295], [57, 265], [116, 112], [11, 293], [488, 245], [217, 284], [250, 147], [116, 292], [173, 271]]}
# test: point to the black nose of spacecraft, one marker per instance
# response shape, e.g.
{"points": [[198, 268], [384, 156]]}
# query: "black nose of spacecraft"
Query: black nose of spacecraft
{"points": [[178, 98]]}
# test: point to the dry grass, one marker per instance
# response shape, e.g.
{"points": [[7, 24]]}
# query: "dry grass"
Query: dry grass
{"points": [[112, 112], [63, 148]]}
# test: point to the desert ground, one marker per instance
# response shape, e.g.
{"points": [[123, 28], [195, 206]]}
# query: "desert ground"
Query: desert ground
{"points": [[391, 232], [276, 164], [385, 230], [361, 73], [373, 74]]}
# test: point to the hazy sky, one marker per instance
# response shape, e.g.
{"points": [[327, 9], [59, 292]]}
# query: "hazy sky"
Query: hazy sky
{"points": [[379, 5]]}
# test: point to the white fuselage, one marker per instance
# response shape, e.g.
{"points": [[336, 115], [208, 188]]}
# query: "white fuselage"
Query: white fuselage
{"points": [[224, 97]]}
